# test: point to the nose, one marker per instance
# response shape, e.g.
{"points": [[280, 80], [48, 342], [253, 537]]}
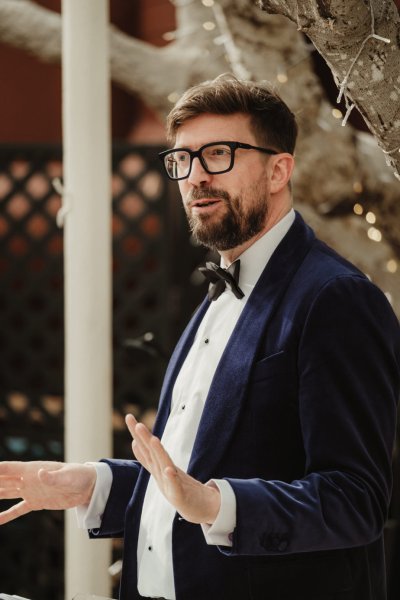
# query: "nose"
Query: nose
{"points": [[198, 176]]}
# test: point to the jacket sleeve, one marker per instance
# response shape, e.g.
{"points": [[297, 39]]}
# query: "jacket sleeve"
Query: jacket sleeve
{"points": [[348, 374], [125, 474]]}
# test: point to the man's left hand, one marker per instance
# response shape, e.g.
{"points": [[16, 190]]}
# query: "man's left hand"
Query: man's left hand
{"points": [[194, 501]]}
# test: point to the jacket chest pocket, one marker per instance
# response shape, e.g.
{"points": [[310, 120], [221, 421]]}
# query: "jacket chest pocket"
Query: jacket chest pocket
{"points": [[273, 365]]}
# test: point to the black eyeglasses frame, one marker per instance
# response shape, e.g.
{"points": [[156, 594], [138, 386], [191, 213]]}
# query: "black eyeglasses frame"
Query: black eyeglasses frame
{"points": [[198, 154]]}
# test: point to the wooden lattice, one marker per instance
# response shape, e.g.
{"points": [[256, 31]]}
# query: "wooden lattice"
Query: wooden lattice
{"points": [[147, 230]]}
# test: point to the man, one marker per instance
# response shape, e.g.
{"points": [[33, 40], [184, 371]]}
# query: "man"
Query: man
{"points": [[277, 414]]}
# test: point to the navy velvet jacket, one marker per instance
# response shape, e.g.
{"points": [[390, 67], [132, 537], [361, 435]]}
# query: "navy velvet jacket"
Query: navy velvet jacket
{"points": [[300, 419]]}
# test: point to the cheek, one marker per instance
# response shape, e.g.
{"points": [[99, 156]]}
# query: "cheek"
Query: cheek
{"points": [[183, 190], [182, 185]]}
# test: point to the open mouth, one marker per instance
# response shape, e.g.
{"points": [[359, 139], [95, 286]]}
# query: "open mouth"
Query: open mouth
{"points": [[203, 203]]}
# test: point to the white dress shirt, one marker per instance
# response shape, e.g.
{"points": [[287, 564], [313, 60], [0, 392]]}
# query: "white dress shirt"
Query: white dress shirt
{"points": [[154, 552]]}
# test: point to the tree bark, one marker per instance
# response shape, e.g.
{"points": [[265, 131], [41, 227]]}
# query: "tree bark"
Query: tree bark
{"points": [[367, 68]]}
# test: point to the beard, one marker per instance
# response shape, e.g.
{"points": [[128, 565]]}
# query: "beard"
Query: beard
{"points": [[244, 217]]}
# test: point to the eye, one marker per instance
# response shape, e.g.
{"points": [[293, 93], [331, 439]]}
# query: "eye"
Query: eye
{"points": [[220, 151], [217, 153], [181, 157]]}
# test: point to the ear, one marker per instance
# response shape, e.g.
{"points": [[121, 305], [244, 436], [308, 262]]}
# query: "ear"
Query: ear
{"points": [[281, 170]]}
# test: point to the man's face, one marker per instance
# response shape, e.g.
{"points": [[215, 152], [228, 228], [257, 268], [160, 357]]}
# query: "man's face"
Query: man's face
{"points": [[228, 209]]}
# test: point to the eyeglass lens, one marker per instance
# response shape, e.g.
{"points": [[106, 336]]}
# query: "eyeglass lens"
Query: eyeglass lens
{"points": [[216, 158]]}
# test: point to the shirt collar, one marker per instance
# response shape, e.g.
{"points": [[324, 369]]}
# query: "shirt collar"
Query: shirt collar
{"points": [[254, 259]]}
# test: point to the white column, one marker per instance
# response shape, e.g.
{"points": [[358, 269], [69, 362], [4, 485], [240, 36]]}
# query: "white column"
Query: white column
{"points": [[87, 250]]}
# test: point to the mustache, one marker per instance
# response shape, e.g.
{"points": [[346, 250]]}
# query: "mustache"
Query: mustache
{"points": [[200, 193]]}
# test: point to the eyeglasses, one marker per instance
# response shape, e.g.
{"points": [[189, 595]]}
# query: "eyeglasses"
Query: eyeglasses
{"points": [[215, 158]]}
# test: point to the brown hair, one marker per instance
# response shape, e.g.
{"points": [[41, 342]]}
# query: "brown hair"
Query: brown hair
{"points": [[272, 121]]}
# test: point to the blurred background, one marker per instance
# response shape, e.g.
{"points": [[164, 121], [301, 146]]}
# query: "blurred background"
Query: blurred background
{"points": [[353, 206]]}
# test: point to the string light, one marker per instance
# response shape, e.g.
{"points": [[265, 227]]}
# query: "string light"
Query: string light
{"points": [[374, 234], [391, 265], [209, 25], [173, 97], [358, 209], [337, 113], [207, 3], [370, 218], [282, 77], [348, 112], [357, 187]]}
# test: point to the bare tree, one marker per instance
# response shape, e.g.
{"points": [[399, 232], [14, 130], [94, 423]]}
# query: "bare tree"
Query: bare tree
{"points": [[342, 175]]}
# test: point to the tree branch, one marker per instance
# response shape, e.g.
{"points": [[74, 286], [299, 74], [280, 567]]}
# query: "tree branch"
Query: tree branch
{"points": [[367, 67], [28, 26], [136, 66]]}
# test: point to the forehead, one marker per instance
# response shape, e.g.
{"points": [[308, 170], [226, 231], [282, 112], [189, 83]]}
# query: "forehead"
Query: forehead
{"points": [[214, 128]]}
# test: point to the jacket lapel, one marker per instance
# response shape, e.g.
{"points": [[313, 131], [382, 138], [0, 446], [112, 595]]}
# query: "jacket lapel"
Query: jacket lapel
{"points": [[227, 393]]}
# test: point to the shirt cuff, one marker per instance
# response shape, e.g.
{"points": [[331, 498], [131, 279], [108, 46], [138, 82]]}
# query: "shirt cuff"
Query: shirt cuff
{"points": [[89, 515], [220, 532]]}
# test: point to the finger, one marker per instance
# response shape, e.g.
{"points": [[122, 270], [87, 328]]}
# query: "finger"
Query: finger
{"points": [[10, 494], [139, 449], [10, 468], [142, 458], [141, 445], [131, 424], [137, 444], [160, 456], [18, 510], [10, 482], [143, 434], [138, 430], [143, 438]]}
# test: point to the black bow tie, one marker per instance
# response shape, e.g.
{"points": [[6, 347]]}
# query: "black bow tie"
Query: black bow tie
{"points": [[219, 277]]}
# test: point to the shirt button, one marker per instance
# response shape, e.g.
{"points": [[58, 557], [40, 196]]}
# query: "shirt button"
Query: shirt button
{"points": [[183, 406], [206, 341], [150, 548]]}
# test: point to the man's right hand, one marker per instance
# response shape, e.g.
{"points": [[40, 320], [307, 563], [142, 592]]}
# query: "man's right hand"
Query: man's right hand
{"points": [[44, 485]]}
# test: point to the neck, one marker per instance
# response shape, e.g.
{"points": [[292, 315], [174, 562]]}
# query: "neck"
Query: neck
{"points": [[230, 255]]}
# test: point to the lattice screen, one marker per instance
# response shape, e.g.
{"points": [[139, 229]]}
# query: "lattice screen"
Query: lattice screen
{"points": [[31, 305], [148, 309]]}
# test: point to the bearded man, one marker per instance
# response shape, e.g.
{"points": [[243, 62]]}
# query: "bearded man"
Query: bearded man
{"points": [[268, 474]]}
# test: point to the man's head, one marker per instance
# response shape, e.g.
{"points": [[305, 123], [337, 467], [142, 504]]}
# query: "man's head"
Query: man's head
{"points": [[232, 192], [271, 121]]}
